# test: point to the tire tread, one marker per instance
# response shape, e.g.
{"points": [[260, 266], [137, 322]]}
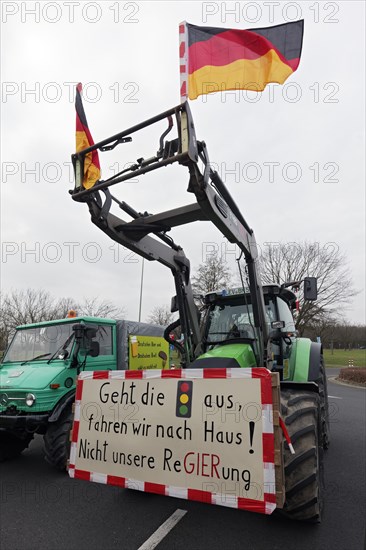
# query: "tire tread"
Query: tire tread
{"points": [[301, 411], [57, 440]]}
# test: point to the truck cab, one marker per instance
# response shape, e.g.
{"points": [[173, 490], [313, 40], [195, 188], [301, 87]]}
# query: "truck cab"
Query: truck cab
{"points": [[43, 360], [38, 375], [39, 370]]}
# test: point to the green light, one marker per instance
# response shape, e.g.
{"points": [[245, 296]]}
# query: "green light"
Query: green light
{"points": [[183, 410]]}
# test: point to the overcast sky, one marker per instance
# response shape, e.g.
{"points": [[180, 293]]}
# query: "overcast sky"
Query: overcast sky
{"points": [[292, 157]]}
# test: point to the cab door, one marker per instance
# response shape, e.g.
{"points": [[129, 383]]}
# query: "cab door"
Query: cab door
{"points": [[288, 340], [107, 358]]}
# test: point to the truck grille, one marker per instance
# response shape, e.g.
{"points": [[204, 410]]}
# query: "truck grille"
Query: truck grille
{"points": [[7, 398]]}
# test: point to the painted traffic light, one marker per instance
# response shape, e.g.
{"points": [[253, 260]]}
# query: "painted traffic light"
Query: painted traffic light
{"points": [[184, 399]]}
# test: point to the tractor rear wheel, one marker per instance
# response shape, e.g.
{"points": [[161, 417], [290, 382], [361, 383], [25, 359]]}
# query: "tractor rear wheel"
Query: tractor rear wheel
{"points": [[324, 405], [301, 413], [57, 440]]}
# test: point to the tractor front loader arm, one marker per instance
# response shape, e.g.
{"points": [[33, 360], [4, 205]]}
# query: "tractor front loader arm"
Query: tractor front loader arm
{"points": [[147, 234]]}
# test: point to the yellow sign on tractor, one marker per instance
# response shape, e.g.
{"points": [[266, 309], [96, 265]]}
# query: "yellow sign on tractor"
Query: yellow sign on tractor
{"points": [[148, 352]]}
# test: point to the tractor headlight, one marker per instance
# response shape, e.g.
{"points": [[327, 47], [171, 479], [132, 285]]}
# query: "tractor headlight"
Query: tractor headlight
{"points": [[30, 399]]}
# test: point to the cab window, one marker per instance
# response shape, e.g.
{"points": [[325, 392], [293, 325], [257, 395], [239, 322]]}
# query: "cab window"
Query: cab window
{"points": [[104, 337], [284, 314]]}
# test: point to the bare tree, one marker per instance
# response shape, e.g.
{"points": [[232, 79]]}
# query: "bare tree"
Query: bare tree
{"points": [[212, 274], [94, 307], [160, 315], [283, 262], [23, 307], [4, 335], [63, 306], [324, 327]]}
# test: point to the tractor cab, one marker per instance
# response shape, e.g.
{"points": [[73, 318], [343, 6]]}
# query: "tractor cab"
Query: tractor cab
{"points": [[228, 320]]}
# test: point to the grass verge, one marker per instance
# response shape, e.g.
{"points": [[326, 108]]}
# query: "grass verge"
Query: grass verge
{"points": [[342, 358]]}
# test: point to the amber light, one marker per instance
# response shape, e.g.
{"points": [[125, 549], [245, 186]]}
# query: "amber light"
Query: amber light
{"points": [[54, 386]]}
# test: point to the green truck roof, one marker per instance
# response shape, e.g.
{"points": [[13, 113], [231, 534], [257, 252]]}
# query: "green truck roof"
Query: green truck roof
{"points": [[98, 320]]}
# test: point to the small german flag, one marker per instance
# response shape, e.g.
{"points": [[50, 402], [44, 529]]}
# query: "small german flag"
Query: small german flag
{"points": [[84, 140], [216, 59]]}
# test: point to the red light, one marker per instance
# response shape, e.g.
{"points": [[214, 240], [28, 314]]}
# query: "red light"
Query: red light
{"points": [[184, 387], [54, 386]]}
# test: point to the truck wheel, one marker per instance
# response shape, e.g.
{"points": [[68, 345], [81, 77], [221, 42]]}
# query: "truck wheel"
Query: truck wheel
{"points": [[301, 413], [324, 405], [57, 440], [12, 445]]}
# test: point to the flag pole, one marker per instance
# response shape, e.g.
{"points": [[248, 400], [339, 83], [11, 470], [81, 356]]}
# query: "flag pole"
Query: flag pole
{"points": [[183, 61]]}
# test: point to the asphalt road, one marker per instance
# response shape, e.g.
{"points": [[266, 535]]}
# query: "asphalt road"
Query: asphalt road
{"points": [[42, 509]]}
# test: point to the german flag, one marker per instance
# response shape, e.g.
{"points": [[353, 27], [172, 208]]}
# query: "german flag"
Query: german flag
{"points": [[84, 140], [217, 59]]}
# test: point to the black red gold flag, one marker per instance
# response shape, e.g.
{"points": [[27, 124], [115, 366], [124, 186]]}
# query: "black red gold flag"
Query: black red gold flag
{"points": [[84, 140], [217, 59]]}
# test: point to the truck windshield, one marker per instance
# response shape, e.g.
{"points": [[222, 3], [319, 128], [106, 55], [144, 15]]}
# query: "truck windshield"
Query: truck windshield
{"points": [[38, 341]]}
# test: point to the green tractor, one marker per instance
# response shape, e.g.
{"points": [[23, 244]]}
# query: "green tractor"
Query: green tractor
{"points": [[230, 340], [251, 328], [228, 332]]}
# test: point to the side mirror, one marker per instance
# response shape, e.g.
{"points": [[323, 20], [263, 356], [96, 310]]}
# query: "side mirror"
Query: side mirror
{"points": [[78, 330], [90, 332], [310, 288], [276, 327], [94, 349], [278, 324], [63, 354]]}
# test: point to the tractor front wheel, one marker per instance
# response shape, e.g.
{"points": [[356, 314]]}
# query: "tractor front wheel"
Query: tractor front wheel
{"points": [[57, 440], [301, 412]]}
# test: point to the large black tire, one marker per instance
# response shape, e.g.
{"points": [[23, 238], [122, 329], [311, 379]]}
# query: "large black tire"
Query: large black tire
{"points": [[304, 482], [324, 405], [57, 440], [12, 445]]}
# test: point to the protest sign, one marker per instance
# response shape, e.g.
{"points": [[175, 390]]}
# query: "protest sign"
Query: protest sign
{"points": [[201, 434]]}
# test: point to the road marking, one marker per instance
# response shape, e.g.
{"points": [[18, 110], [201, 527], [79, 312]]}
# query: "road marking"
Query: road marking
{"points": [[335, 397], [163, 530]]}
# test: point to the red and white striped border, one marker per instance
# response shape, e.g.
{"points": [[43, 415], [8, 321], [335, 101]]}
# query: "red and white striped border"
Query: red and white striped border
{"points": [[183, 61], [264, 506]]}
